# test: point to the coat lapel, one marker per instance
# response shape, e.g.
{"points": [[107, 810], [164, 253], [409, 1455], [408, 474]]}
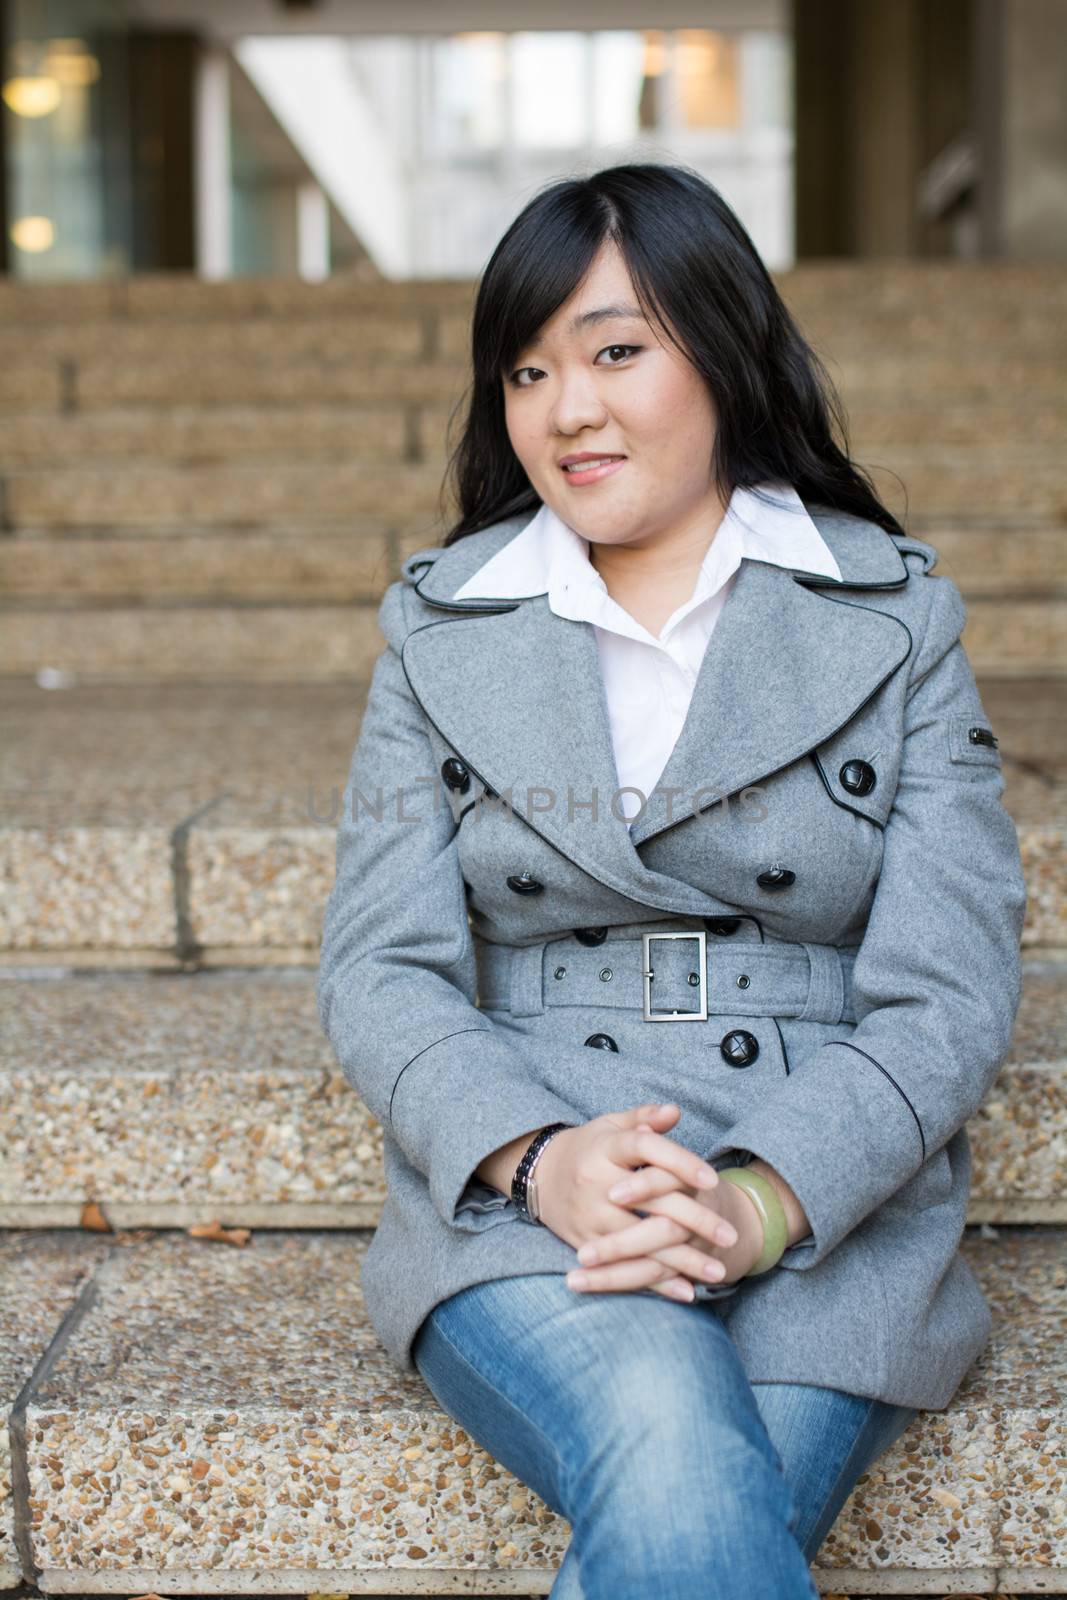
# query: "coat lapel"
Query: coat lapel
{"points": [[518, 693], [785, 668]]}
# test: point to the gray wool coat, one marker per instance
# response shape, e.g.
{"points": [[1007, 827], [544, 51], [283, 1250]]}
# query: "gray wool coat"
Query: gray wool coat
{"points": [[828, 831]]}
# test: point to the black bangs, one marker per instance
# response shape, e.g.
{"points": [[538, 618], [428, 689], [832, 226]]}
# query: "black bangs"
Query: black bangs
{"points": [[535, 269], [700, 281]]}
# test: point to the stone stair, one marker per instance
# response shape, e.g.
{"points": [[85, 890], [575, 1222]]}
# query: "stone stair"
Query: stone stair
{"points": [[196, 477], [170, 1100], [204, 489], [216, 1419]]}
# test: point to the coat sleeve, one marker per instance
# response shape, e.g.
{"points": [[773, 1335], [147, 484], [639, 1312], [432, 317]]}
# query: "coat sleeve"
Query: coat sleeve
{"points": [[937, 976], [396, 986]]}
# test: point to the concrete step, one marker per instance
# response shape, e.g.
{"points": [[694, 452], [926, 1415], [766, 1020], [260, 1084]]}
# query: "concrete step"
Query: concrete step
{"points": [[955, 290], [101, 383], [285, 568], [415, 332], [875, 288], [414, 428], [326, 639], [926, 326], [183, 377], [174, 1100], [232, 495], [195, 823], [1023, 488], [164, 297], [855, 335], [888, 421], [362, 335], [195, 436], [327, 643], [190, 1413], [249, 574], [301, 563]]}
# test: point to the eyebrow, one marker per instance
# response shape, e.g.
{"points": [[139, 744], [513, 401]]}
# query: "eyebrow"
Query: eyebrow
{"points": [[587, 319]]}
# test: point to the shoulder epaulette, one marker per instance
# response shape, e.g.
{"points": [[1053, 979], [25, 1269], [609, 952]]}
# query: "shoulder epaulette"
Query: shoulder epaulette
{"points": [[908, 545], [416, 564]]}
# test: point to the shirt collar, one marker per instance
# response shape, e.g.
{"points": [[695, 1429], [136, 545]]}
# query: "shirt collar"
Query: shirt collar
{"points": [[769, 523]]}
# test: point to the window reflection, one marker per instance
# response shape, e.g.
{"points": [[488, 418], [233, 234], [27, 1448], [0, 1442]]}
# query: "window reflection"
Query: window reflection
{"points": [[63, 91], [549, 89], [468, 72], [707, 78], [449, 131]]}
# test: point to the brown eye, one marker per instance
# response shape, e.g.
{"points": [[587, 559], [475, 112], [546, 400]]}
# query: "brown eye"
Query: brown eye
{"points": [[628, 348]]}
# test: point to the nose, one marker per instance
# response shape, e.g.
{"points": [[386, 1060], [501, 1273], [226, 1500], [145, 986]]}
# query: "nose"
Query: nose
{"points": [[577, 405]]}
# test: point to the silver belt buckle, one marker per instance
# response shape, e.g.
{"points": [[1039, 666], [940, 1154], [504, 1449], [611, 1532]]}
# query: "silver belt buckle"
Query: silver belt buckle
{"points": [[675, 1016]]}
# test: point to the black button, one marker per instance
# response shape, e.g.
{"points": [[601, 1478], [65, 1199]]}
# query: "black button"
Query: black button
{"points": [[590, 935], [776, 877], [524, 883], [739, 1048], [858, 777], [602, 1041], [723, 926], [456, 774]]}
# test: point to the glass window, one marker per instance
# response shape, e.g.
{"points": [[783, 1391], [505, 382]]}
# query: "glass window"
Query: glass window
{"points": [[768, 80], [618, 86], [550, 89], [64, 100], [707, 72], [467, 74]]}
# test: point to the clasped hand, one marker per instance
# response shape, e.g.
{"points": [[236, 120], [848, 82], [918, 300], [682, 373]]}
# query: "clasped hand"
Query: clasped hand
{"points": [[693, 1228]]}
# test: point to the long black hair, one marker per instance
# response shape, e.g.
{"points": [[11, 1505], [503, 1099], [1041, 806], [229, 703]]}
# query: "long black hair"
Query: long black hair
{"points": [[692, 263]]}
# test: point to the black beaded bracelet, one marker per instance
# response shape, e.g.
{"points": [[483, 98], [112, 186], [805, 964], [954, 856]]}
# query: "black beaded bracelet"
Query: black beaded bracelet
{"points": [[520, 1183]]}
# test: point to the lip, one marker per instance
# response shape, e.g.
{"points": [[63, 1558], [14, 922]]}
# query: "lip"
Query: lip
{"points": [[595, 474]]}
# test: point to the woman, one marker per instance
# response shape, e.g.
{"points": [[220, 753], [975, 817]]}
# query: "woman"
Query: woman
{"points": [[704, 747]]}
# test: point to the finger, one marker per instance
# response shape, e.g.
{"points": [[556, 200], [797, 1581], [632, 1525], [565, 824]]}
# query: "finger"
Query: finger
{"points": [[695, 1264], [639, 1273], [621, 1237], [697, 1217], [674, 1289], [687, 1224], [633, 1114], [689, 1261], [654, 1192], [646, 1183], [655, 1148], [632, 1239]]}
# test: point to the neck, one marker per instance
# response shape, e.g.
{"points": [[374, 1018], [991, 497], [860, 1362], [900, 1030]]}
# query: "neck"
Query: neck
{"points": [[667, 558]]}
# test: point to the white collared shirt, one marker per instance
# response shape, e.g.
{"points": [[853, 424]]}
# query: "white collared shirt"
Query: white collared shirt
{"points": [[649, 681]]}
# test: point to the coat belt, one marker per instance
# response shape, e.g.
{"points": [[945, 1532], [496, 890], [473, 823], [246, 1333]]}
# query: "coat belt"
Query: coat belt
{"points": [[811, 982]]}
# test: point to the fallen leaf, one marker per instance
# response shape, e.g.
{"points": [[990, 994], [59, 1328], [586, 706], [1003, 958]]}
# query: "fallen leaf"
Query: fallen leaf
{"points": [[92, 1216], [221, 1235]]}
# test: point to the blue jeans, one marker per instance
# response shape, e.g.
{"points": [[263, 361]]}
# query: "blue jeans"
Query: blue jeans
{"points": [[633, 1418]]}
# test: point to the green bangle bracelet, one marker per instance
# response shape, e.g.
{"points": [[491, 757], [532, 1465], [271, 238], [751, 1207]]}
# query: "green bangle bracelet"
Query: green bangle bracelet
{"points": [[768, 1203]]}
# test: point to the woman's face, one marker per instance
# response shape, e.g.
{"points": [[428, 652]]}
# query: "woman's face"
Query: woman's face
{"points": [[613, 386]]}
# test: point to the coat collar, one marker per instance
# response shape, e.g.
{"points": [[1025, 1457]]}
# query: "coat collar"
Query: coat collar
{"points": [[770, 523], [517, 692]]}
